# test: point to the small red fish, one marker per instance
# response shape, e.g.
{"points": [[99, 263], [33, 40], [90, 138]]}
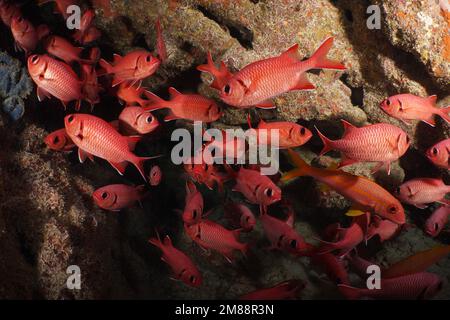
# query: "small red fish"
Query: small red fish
{"points": [[221, 75], [132, 95], [240, 215], [96, 137], [282, 234], [437, 221], [203, 173], [155, 176], [182, 266], [55, 78], [132, 68], [421, 191], [115, 197], [223, 146], [64, 50], [85, 23], [438, 154], [257, 83], [379, 142], [160, 44], [8, 11], [61, 6], [333, 267], [257, 188], [416, 286], [90, 86], [407, 107], [193, 208], [26, 35], [210, 235], [137, 121], [384, 228], [59, 140], [192, 107], [283, 291], [91, 35]]}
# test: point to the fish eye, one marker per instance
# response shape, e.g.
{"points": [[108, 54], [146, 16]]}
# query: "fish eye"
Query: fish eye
{"points": [[20, 19], [227, 89], [70, 119], [192, 279], [392, 209], [388, 102], [194, 214], [302, 131], [149, 58], [149, 119], [268, 192], [56, 140], [435, 151], [436, 226], [34, 59], [293, 244], [247, 219], [104, 195]]}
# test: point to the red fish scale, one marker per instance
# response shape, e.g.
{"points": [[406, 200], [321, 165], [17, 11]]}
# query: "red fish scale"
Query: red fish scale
{"points": [[371, 143], [62, 84], [214, 236], [191, 107]]}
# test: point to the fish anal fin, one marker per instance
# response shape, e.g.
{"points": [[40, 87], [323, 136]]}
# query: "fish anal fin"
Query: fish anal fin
{"points": [[119, 166], [132, 140], [82, 155], [346, 161], [430, 120], [267, 104], [303, 84]]}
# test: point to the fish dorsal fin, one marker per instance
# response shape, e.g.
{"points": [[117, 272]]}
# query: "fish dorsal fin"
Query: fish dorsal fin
{"points": [[132, 140], [116, 58], [348, 127], [167, 241], [292, 53], [436, 182], [432, 99], [174, 92]]}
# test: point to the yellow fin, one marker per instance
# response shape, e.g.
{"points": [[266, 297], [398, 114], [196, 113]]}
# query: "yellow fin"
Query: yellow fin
{"points": [[323, 187], [354, 213]]}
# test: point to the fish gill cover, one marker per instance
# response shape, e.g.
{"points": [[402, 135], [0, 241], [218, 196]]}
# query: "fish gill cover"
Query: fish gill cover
{"points": [[50, 210]]}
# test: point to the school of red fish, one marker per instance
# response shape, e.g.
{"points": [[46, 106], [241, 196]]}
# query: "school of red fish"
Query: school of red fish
{"points": [[375, 211]]}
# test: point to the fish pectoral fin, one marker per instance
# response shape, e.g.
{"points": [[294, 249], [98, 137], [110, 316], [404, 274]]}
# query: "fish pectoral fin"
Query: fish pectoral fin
{"points": [[82, 155], [267, 104], [119, 166], [303, 84], [421, 206], [116, 81], [42, 94]]}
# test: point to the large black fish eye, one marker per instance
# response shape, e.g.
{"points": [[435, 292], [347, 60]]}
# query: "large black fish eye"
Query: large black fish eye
{"points": [[56, 140], [407, 139], [293, 244], [388, 102], [436, 226], [435, 151], [149, 58], [149, 119], [302, 131], [104, 195], [227, 89], [192, 279], [392, 209], [70, 119], [247, 219], [268, 192], [35, 58]]}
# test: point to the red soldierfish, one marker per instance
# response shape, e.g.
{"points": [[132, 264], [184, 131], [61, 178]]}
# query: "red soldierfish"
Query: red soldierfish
{"points": [[8, 11], [26, 35], [438, 154], [379, 142], [155, 176], [407, 107], [193, 208], [221, 75], [202, 172], [137, 121], [364, 193], [382, 228], [64, 50], [131, 95], [59, 140], [333, 267], [160, 44], [260, 81], [182, 266], [437, 221], [85, 23], [422, 191], [240, 215], [192, 107], [115, 197], [90, 86], [283, 291], [416, 286], [131, 68], [96, 137], [55, 78], [210, 235]]}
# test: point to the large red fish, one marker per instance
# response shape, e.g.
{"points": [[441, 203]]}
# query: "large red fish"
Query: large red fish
{"points": [[96, 137], [437, 221], [283, 291], [193, 208], [115, 197], [416, 286], [182, 266], [260, 81], [438, 154], [64, 50], [26, 35], [365, 194], [131, 68], [379, 142], [55, 78], [407, 107], [135, 120], [192, 107], [8, 11], [221, 75], [59, 140], [420, 192], [210, 235]]}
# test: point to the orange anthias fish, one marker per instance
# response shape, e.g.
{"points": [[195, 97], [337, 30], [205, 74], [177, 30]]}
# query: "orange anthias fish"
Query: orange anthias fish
{"points": [[55, 78], [283, 291], [438, 154], [221, 75], [137, 121], [418, 262], [96, 137], [132, 95], [115, 197], [420, 192], [182, 266], [379, 142], [260, 81], [160, 44], [155, 176], [8, 11], [59, 140], [64, 50], [193, 208], [61, 5], [192, 107], [131, 68], [26, 35], [366, 194], [210, 235], [407, 107], [437, 221]]}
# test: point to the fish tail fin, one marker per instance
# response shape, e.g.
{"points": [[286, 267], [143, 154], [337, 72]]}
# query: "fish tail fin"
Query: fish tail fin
{"points": [[139, 164], [327, 143], [156, 241], [349, 292], [220, 74], [444, 113], [319, 59], [153, 101], [301, 170]]}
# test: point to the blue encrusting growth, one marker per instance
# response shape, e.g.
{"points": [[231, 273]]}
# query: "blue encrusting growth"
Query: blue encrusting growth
{"points": [[15, 86]]}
